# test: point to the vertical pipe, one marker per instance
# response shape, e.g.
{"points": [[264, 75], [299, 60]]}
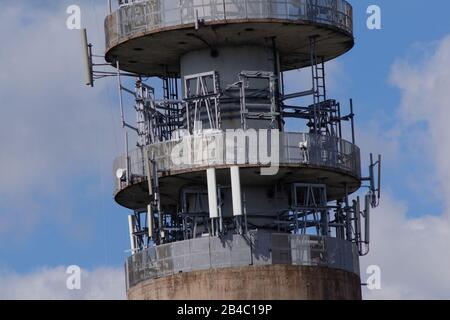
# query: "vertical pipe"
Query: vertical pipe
{"points": [[224, 10], [157, 200], [372, 176], [236, 191], [150, 221], [312, 41], [323, 80], [367, 220], [127, 158], [276, 68], [119, 85], [91, 66], [340, 121], [348, 216], [245, 213], [243, 103], [357, 212], [212, 193], [379, 176], [352, 116]]}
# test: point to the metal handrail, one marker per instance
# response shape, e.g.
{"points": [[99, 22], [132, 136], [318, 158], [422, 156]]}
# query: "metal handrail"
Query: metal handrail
{"points": [[211, 252], [322, 151], [147, 15]]}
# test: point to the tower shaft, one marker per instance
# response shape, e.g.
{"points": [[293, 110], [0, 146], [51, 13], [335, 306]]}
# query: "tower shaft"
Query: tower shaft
{"points": [[240, 186]]}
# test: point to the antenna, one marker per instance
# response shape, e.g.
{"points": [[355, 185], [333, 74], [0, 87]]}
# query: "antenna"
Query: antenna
{"points": [[132, 227], [367, 219], [379, 177], [87, 58]]}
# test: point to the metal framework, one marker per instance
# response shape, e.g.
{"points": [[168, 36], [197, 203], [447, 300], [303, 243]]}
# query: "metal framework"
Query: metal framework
{"points": [[265, 98], [167, 119], [202, 98], [310, 213]]}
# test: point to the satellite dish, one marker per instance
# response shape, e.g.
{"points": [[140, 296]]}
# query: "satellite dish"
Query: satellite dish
{"points": [[121, 173]]}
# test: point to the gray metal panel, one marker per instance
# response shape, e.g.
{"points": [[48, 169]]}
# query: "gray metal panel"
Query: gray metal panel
{"points": [[318, 251], [301, 250], [281, 249], [220, 253], [127, 275], [257, 248], [355, 260], [200, 254], [164, 254], [261, 244], [335, 254], [241, 251], [182, 257]]}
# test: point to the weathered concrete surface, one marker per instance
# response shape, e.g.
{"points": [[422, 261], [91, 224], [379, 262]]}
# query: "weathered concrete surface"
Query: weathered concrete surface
{"points": [[276, 282]]}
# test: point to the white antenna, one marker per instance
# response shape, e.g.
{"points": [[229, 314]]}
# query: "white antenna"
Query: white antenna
{"points": [[87, 57], [131, 226], [121, 174], [236, 190]]}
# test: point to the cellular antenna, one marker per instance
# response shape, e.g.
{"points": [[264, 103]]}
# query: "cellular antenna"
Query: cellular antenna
{"points": [[87, 59]]}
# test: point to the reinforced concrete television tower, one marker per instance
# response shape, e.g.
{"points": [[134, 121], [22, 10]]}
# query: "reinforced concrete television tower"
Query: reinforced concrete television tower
{"points": [[237, 188]]}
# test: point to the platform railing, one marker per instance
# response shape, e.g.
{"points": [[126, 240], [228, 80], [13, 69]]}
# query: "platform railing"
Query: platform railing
{"points": [[256, 249], [137, 17], [206, 150]]}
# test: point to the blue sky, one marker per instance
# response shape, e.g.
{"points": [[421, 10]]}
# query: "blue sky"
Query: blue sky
{"points": [[58, 142]]}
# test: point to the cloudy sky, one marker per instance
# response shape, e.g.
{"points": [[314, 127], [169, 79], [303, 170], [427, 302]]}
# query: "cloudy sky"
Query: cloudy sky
{"points": [[58, 139]]}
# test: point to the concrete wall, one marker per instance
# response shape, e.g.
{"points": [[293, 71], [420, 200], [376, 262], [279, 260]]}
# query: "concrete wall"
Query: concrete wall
{"points": [[276, 282]]}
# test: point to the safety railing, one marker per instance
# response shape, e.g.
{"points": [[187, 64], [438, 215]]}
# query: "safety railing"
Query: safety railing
{"points": [[257, 249], [135, 17], [245, 148]]}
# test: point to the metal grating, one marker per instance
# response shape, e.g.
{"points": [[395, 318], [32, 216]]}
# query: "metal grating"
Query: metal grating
{"points": [[149, 15], [258, 248]]}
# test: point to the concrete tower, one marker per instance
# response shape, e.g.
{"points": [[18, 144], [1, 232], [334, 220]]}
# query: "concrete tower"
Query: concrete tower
{"points": [[238, 189]]}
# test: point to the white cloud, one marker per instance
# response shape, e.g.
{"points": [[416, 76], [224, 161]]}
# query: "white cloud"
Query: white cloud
{"points": [[54, 129], [426, 99], [413, 252], [50, 284]]}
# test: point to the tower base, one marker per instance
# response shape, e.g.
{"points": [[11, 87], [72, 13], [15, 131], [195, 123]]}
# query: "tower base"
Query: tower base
{"points": [[273, 282]]}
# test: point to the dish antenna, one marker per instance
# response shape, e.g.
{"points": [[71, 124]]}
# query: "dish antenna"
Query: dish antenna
{"points": [[121, 174]]}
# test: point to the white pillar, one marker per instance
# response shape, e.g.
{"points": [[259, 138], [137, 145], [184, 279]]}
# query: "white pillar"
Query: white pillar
{"points": [[236, 191], [212, 193]]}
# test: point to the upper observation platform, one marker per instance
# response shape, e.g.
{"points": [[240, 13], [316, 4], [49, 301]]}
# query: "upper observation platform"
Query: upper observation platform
{"points": [[150, 36]]}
